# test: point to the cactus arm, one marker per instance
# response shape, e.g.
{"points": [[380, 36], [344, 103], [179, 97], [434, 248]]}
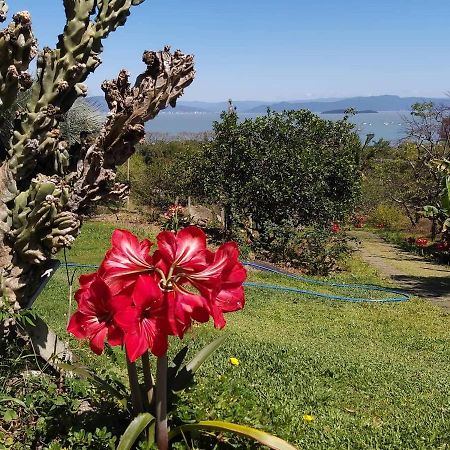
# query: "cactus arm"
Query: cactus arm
{"points": [[163, 82], [3, 10], [17, 48], [61, 73], [44, 183]]}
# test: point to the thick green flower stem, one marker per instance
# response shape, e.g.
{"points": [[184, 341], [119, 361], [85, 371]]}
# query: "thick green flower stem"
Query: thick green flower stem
{"points": [[162, 437], [136, 398], [148, 379]]}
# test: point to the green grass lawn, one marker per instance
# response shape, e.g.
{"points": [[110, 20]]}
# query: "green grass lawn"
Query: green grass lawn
{"points": [[374, 376]]}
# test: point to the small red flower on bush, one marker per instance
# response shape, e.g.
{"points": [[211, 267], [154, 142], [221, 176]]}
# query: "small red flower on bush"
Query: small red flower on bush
{"points": [[172, 211], [335, 228], [359, 220], [421, 242], [380, 225], [442, 246], [137, 299]]}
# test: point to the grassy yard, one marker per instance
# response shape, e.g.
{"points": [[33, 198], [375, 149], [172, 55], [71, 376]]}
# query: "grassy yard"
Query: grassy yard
{"points": [[373, 376]]}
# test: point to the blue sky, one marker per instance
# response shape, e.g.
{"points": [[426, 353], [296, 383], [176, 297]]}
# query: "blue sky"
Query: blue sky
{"points": [[281, 49]]}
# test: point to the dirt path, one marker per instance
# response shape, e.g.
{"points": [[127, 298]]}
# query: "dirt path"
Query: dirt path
{"points": [[412, 273]]}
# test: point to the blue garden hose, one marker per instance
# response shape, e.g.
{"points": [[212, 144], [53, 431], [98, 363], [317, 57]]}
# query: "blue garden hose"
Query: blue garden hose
{"points": [[398, 295]]}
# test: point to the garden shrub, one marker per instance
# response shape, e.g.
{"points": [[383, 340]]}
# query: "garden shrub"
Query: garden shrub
{"points": [[290, 165], [41, 409], [405, 174], [161, 172], [388, 216], [277, 174], [315, 250]]}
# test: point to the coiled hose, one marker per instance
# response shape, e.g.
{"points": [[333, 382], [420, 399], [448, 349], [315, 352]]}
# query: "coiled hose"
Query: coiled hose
{"points": [[397, 296]]}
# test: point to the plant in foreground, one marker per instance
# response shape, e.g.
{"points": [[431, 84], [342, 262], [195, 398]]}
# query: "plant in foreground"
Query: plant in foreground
{"points": [[137, 300], [174, 218]]}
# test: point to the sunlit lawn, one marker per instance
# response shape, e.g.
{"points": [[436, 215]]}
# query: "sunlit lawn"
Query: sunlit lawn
{"points": [[373, 376]]}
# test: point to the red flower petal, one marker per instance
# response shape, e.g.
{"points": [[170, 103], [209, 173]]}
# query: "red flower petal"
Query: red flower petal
{"points": [[227, 300], [146, 292], [182, 308], [94, 318], [85, 282], [127, 259], [115, 336], [136, 345], [97, 341], [127, 319], [230, 300], [186, 249], [75, 326], [229, 295], [144, 322]]}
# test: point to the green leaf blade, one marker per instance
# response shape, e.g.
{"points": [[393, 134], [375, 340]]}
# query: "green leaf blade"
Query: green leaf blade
{"points": [[186, 374], [134, 430], [262, 437]]}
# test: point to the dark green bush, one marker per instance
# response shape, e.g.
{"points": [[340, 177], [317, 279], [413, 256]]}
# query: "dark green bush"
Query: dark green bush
{"points": [[161, 172], [315, 250], [40, 409], [283, 166]]}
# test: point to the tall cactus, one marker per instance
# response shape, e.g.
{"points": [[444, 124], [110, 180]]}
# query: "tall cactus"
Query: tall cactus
{"points": [[45, 182]]}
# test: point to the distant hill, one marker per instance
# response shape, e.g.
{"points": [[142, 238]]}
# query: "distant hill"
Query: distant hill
{"points": [[100, 103], [185, 109], [214, 107], [376, 103], [361, 104]]}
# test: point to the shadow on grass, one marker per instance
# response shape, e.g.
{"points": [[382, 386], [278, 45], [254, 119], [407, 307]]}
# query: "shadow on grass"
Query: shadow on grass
{"points": [[428, 287]]}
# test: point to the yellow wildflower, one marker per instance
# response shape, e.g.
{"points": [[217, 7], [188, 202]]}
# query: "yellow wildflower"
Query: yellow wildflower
{"points": [[308, 418], [234, 361]]}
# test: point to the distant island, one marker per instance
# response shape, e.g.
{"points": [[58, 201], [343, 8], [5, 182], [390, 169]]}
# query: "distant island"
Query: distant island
{"points": [[364, 105], [342, 111]]}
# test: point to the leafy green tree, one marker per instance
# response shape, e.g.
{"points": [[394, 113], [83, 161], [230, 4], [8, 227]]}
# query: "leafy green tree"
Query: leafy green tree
{"points": [[291, 166], [162, 171], [404, 175]]}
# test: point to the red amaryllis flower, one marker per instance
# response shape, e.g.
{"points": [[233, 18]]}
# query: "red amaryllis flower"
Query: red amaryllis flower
{"points": [[173, 211], [335, 228], [184, 251], [183, 259], [421, 242], [94, 319], [143, 320], [138, 299], [229, 296], [127, 259]]}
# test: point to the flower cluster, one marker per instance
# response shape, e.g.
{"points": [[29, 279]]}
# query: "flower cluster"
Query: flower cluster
{"points": [[138, 299], [442, 246], [335, 228], [421, 242], [359, 220], [173, 211]]}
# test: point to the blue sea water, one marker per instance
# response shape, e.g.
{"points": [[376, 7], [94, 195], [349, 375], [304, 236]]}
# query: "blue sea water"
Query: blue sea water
{"points": [[388, 125]]}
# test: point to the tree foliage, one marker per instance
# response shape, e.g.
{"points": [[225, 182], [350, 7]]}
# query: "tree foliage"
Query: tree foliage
{"points": [[162, 171], [291, 166], [405, 175]]}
